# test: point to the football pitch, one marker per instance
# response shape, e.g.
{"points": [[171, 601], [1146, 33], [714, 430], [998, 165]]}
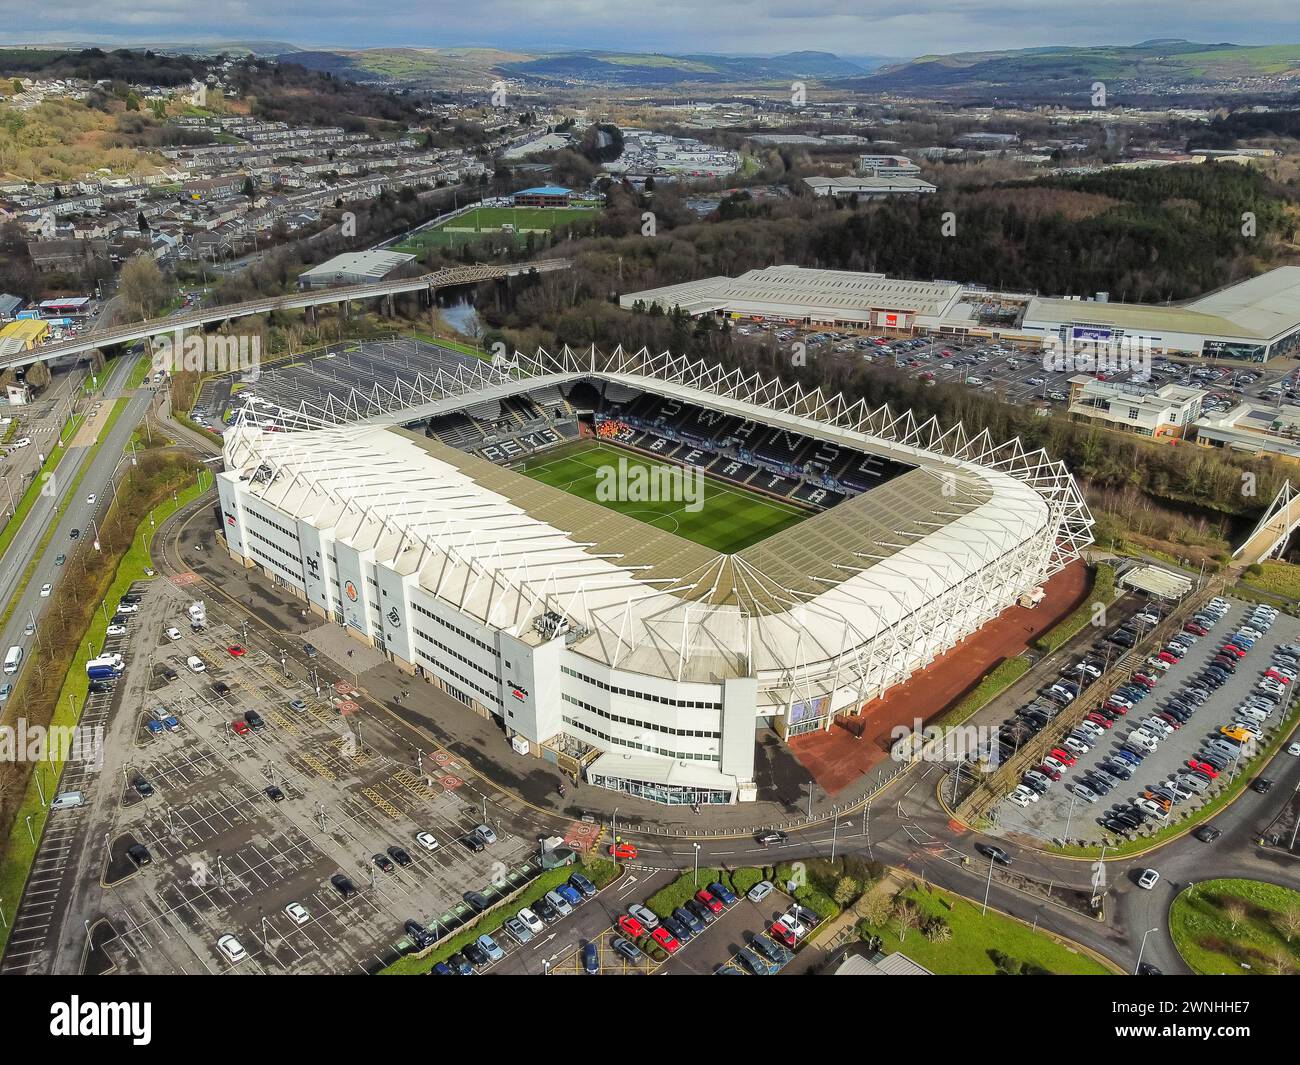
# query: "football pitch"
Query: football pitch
{"points": [[470, 226], [715, 514]]}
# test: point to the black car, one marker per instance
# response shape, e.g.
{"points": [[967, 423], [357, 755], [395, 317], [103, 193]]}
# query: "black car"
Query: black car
{"points": [[1207, 833], [1116, 770], [472, 842], [399, 856], [381, 860], [686, 917], [75, 534], [1147, 969], [1261, 785], [990, 850], [766, 947], [309, 650], [254, 720], [1099, 783], [701, 911], [769, 836], [274, 793], [142, 787], [584, 886], [419, 934], [139, 854], [478, 902], [343, 885], [221, 688], [543, 908], [680, 931], [1114, 824], [460, 965], [628, 950], [100, 687], [476, 955]]}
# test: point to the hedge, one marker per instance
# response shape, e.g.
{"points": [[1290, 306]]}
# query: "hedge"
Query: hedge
{"points": [[744, 879], [1103, 591], [599, 873], [667, 899]]}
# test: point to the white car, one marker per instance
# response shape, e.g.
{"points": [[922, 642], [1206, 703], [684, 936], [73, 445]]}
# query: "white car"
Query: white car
{"points": [[1023, 791], [91, 499], [196, 664], [531, 921], [117, 629], [172, 634], [426, 840], [760, 891], [231, 948], [1148, 879], [1294, 749], [128, 608], [297, 913], [46, 589], [22, 441]]}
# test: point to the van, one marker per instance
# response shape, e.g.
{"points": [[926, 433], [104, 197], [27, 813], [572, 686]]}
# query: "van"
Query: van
{"points": [[1144, 740], [66, 800], [13, 659]]}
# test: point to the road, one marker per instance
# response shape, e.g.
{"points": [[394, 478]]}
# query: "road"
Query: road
{"points": [[78, 514]]}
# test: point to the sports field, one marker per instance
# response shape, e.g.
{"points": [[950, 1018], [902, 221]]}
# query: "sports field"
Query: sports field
{"points": [[472, 225], [715, 514]]}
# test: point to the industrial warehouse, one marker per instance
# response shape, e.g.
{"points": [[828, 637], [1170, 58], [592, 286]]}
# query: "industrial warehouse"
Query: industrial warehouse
{"points": [[1254, 320], [643, 644]]}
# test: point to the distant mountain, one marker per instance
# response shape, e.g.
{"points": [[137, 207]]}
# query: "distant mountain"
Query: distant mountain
{"points": [[195, 48], [428, 66], [1156, 65]]}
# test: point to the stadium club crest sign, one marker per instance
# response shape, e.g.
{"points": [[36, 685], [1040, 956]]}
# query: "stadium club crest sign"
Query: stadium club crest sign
{"points": [[394, 618], [350, 590]]}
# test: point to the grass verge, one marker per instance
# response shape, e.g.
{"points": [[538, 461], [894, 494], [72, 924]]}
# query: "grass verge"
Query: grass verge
{"points": [[30, 496], [1103, 591], [1237, 927]]}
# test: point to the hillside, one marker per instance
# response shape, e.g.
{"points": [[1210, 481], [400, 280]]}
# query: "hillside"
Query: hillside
{"points": [[434, 67], [1150, 66]]}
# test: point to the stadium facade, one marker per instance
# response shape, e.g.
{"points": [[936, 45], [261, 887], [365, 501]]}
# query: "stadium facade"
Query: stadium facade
{"points": [[615, 648]]}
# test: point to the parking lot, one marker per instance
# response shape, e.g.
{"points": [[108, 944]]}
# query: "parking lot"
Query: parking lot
{"points": [[1063, 812], [1019, 374], [240, 822]]}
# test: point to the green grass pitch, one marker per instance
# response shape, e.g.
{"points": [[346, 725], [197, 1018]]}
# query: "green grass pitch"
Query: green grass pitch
{"points": [[729, 519]]}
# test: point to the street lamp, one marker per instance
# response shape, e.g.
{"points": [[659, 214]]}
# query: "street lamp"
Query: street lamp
{"points": [[697, 863], [1142, 949]]}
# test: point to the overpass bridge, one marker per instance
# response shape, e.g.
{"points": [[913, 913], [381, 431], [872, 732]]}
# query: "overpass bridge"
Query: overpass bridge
{"points": [[1269, 537], [315, 297]]}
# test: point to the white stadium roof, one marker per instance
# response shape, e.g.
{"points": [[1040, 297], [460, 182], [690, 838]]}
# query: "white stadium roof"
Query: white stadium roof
{"points": [[485, 540]]}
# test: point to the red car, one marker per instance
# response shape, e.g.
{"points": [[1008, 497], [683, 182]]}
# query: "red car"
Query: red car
{"points": [[240, 728], [1097, 719], [1169, 720], [665, 939], [1166, 656], [1273, 674], [235, 651], [1195, 629], [708, 900], [1232, 649], [1048, 771], [630, 926], [1116, 708], [781, 934], [622, 850], [1146, 681], [1063, 756], [1204, 768]]}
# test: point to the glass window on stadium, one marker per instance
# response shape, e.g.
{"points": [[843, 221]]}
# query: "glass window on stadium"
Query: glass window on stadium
{"points": [[810, 716], [665, 794], [1224, 350]]}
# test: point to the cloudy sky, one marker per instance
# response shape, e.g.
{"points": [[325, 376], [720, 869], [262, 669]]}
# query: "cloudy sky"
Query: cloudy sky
{"points": [[848, 27]]}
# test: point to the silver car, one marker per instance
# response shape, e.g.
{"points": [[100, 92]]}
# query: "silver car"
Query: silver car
{"points": [[645, 915]]}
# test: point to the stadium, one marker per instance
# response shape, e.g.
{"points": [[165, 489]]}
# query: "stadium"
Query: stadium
{"points": [[458, 518]]}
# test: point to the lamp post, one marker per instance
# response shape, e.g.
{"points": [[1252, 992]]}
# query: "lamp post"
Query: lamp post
{"points": [[1142, 949]]}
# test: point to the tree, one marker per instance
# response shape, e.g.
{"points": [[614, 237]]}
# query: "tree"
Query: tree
{"points": [[141, 286], [846, 890], [1234, 912], [38, 375], [906, 917], [248, 188], [1288, 922]]}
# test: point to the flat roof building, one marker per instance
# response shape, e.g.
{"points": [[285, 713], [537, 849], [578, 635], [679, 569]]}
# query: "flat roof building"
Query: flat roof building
{"points": [[802, 296], [1160, 413], [1253, 429], [869, 187], [542, 196], [357, 268], [1257, 320]]}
